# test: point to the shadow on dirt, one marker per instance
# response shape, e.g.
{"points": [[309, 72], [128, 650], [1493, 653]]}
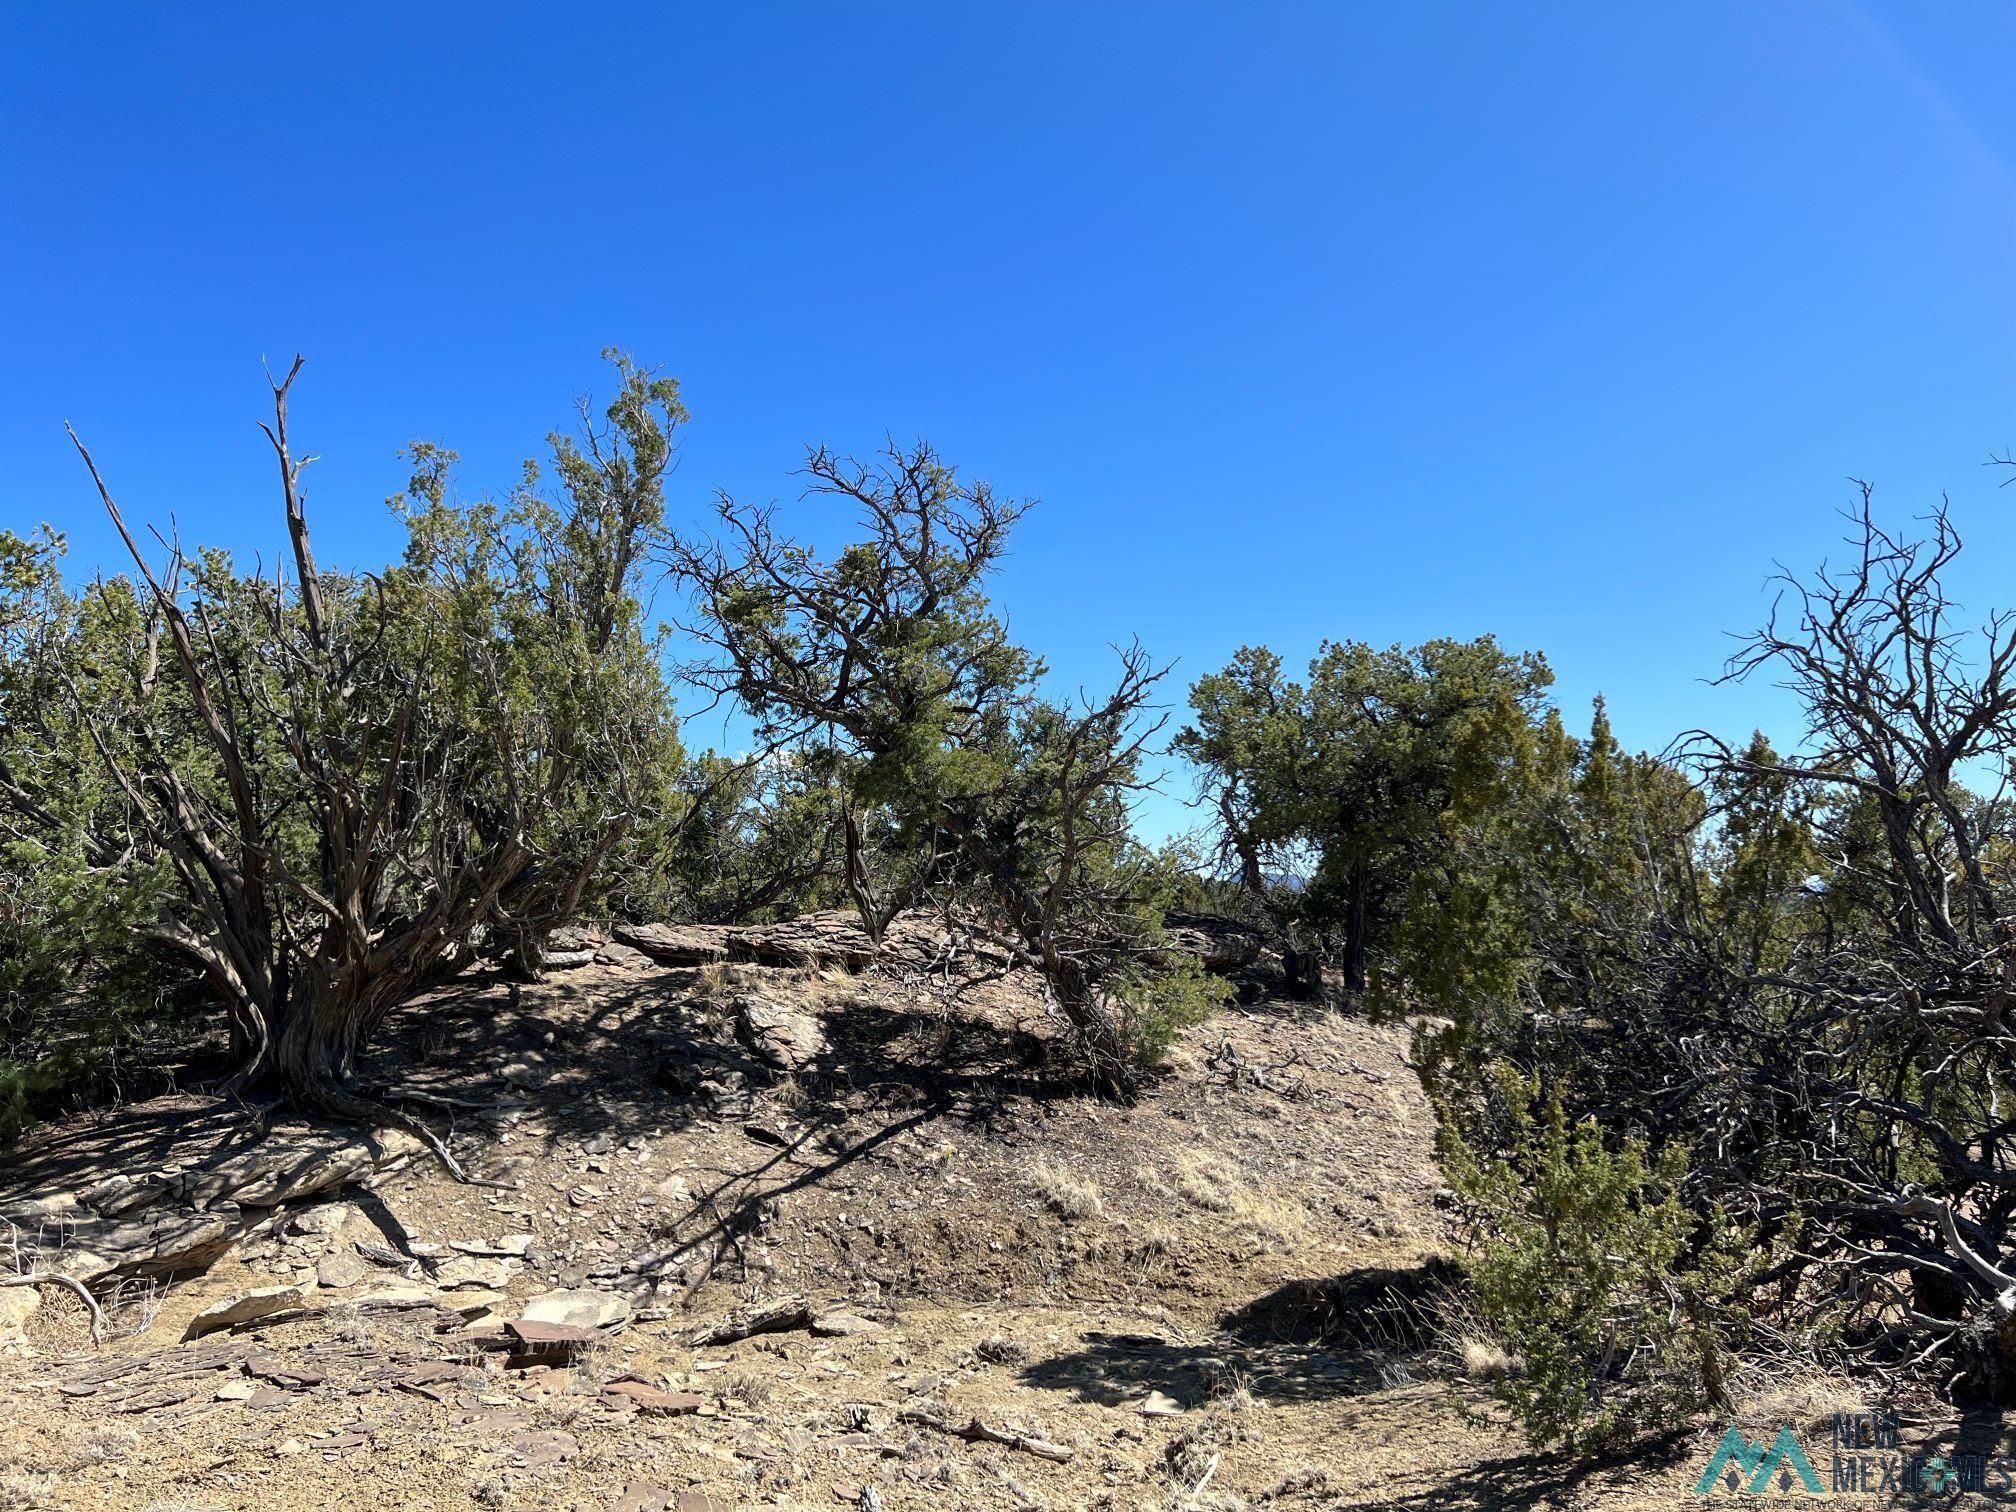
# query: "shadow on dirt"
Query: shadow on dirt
{"points": [[1346, 1335], [1376, 1311], [185, 1130], [658, 1054], [1532, 1482], [612, 1055]]}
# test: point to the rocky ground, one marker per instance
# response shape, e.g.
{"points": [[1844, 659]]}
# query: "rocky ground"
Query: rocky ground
{"points": [[783, 1222]]}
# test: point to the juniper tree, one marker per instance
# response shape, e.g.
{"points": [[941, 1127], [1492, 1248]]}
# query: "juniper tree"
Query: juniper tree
{"points": [[889, 655], [1357, 782], [318, 794]]}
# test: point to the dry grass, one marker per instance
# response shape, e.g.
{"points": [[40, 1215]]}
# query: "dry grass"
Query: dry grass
{"points": [[1267, 1219], [1209, 1182], [1808, 1400], [1483, 1360], [996, 1318], [1196, 1452], [806, 988], [597, 1364], [1065, 1192], [131, 1307], [743, 1386]]}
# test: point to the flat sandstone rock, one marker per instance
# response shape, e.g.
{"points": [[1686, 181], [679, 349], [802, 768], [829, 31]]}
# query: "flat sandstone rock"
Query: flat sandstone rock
{"points": [[577, 1308], [243, 1308]]}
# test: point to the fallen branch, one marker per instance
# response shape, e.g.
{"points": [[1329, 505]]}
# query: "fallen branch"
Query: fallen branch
{"points": [[57, 1278], [1209, 1471], [980, 1433], [1913, 1202], [338, 1103], [774, 1317]]}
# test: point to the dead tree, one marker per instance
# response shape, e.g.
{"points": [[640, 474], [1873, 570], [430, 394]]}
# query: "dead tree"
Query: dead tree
{"points": [[1899, 1058]]}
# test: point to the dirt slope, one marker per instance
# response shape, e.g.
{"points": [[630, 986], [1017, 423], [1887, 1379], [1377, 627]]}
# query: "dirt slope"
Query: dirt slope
{"points": [[976, 1245]]}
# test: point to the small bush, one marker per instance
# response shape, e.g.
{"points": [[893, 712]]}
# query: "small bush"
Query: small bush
{"points": [[1618, 1303], [1152, 1009]]}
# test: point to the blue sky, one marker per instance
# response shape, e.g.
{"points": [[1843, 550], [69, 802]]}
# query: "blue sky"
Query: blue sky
{"points": [[1379, 322]]}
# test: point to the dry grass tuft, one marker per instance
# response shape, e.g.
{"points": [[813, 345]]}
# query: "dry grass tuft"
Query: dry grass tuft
{"points": [[1065, 1192], [1209, 1182], [1266, 1219], [1809, 1400], [1483, 1360], [807, 988], [1194, 1454], [743, 1386], [597, 1364]]}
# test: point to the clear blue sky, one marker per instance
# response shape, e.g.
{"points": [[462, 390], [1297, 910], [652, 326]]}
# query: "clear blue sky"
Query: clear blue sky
{"points": [[1383, 322]]}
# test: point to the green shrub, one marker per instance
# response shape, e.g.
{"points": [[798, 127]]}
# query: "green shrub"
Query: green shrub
{"points": [[1153, 1008], [1618, 1304], [308, 796]]}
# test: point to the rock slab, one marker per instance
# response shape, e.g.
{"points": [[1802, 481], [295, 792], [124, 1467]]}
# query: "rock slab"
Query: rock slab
{"points": [[782, 1036], [580, 1307], [243, 1308]]}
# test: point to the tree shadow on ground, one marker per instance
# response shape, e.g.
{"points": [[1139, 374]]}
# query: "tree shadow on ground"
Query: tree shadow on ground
{"points": [[1364, 1331], [184, 1129], [1347, 1335], [1358, 1333], [656, 1053], [1533, 1481], [584, 1056]]}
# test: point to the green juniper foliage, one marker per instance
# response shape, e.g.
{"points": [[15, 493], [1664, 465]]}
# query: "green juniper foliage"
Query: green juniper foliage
{"points": [[1719, 1040], [1788, 971], [889, 655], [1363, 787], [302, 800], [1620, 1306]]}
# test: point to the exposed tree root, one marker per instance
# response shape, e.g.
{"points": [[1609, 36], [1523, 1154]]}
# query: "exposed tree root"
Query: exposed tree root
{"points": [[325, 1097], [433, 1099]]}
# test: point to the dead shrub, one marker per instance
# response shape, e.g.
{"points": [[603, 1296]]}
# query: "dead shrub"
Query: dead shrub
{"points": [[999, 1352]]}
